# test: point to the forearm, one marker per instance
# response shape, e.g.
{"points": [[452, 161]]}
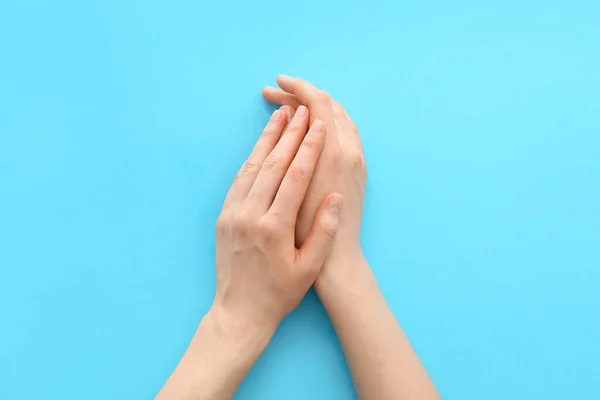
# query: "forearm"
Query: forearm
{"points": [[261, 275], [382, 362], [218, 358]]}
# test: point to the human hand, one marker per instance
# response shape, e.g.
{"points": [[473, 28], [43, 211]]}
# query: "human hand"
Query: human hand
{"points": [[261, 275], [341, 168]]}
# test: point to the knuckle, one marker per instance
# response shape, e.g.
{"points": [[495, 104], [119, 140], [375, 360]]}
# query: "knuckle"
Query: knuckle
{"points": [[334, 154], [296, 174], [323, 97], [339, 114], [270, 232], [311, 143], [270, 131], [294, 128], [272, 162], [357, 162], [222, 224], [248, 168], [243, 223], [338, 109], [353, 126]]}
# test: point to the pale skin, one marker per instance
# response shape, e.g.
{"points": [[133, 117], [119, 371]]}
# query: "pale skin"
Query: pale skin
{"points": [[282, 229]]}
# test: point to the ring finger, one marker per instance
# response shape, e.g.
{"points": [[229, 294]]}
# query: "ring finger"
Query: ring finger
{"points": [[276, 164]]}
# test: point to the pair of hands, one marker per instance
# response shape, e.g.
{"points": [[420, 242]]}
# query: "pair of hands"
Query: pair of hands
{"points": [[276, 231], [283, 228]]}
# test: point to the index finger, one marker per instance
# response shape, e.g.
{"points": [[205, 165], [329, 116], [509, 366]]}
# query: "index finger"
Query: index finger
{"points": [[318, 101], [247, 174], [293, 188]]}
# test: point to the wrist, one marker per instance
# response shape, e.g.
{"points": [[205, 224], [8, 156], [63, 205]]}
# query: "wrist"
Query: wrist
{"points": [[218, 358], [347, 289], [344, 269], [239, 333]]}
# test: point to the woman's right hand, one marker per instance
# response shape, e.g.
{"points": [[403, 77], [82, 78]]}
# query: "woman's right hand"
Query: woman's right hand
{"points": [[341, 169], [381, 359]]}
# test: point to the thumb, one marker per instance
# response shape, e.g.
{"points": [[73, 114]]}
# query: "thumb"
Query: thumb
{"points": [[318, 244]]}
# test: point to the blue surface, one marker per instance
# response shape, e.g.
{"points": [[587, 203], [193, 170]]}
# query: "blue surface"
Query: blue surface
{"points": [[123, 122]]}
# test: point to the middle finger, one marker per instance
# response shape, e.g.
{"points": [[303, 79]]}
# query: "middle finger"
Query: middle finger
{"points": [[276, 164]]}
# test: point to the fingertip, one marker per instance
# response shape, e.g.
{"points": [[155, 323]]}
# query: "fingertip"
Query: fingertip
{"points": [[302, 111], [289, 112], [317, 126], [268, 90], [269, 94], [285, 82], [277, 116]]}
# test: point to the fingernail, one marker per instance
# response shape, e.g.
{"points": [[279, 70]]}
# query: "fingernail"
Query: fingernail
{"points": [[335, 205], [317, 126], [276, 117], [301, 111], [288, 112]]}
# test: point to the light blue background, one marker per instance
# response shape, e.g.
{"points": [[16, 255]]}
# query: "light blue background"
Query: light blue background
{"points": [[123, 122]]}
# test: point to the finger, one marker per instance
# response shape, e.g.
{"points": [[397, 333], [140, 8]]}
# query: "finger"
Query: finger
{"points": [[318, 101], [277, 162], [289, 108], [289, 112], [247, 174], [297, 178], [318, 243], [304, 91], [278, 96]]}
